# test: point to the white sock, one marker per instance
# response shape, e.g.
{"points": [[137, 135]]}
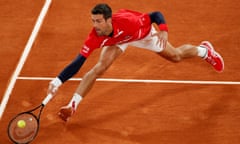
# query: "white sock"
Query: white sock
{"points": [[76, 99], [202, 52]]}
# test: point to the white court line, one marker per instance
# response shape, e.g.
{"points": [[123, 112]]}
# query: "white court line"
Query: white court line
{"points": [[23, 57], [141, 80]]}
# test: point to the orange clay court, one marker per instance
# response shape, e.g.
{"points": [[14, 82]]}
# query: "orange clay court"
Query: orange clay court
{"points": [[152, 112]]}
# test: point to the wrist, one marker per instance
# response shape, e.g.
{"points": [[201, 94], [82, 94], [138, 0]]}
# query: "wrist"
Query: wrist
{"points": [[56, 82], [163, 27]]}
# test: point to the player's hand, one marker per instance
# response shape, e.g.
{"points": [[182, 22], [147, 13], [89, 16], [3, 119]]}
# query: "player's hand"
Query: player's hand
{"points": [[52, 89], [54, 85], [163, 38]]}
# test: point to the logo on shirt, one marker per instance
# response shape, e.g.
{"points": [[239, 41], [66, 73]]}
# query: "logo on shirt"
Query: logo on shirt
{"points": [[85, 49], [118, 34], [126, 39]]}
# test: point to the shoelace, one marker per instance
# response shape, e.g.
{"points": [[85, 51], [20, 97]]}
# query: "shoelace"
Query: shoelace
{"points": [[211, 60]]}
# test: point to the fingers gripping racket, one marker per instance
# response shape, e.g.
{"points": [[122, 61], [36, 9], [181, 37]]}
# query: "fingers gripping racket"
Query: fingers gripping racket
{"points": [[23, 128]]}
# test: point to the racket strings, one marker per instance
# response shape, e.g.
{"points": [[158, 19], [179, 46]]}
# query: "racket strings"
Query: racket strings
{"points": [[23, 134]]}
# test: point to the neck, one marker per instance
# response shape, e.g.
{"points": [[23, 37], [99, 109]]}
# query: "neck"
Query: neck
{"points": [[109, 30]]}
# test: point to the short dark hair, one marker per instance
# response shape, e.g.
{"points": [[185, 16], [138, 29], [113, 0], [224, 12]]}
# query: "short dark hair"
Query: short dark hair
{"points": [[102, 9]]}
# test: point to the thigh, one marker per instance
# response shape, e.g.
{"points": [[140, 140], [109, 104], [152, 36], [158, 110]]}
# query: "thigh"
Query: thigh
{"points": [[150, 42], [170, 53], [168, 50]]}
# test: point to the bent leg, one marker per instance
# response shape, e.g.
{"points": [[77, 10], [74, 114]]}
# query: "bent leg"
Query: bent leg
{"points": [[177, 54], [205, 50], [108, 55]]}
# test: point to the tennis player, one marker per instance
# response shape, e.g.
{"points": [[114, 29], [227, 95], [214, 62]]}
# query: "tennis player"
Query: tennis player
{"points": [[114, 33]]}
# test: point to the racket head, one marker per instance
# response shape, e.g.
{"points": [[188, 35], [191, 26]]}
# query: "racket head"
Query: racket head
{"points": [[25, 134]]}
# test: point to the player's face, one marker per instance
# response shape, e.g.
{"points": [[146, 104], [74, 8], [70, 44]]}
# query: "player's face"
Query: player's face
{"points": [[103, 27]]}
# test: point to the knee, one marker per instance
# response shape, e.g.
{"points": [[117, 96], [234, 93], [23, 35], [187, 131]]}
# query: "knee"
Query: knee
{"points": [[176, 57], [184, 51]]}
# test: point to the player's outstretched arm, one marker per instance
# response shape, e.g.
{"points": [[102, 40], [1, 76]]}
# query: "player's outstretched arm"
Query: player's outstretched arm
{"points": [[68, 72]]}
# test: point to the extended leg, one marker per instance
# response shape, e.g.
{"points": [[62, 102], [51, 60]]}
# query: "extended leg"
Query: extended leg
{"points": [[204, 50], [179, 53]]}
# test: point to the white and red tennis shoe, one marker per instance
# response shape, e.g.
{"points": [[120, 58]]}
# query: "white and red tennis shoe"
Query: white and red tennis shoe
{"points": [[212, 57]]}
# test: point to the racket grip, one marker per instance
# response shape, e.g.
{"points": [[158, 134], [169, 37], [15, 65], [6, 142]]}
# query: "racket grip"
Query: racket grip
{"points": [[47, 99]]}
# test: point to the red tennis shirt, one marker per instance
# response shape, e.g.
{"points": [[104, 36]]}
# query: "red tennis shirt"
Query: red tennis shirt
{"points": [[127, 26]]}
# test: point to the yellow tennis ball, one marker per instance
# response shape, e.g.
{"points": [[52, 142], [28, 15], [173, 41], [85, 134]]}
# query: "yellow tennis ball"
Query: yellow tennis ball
{"points": [[21, 123]]}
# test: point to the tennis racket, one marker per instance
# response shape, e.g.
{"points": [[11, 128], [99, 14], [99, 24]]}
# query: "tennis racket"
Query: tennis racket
{"points": [[27, 133]]}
